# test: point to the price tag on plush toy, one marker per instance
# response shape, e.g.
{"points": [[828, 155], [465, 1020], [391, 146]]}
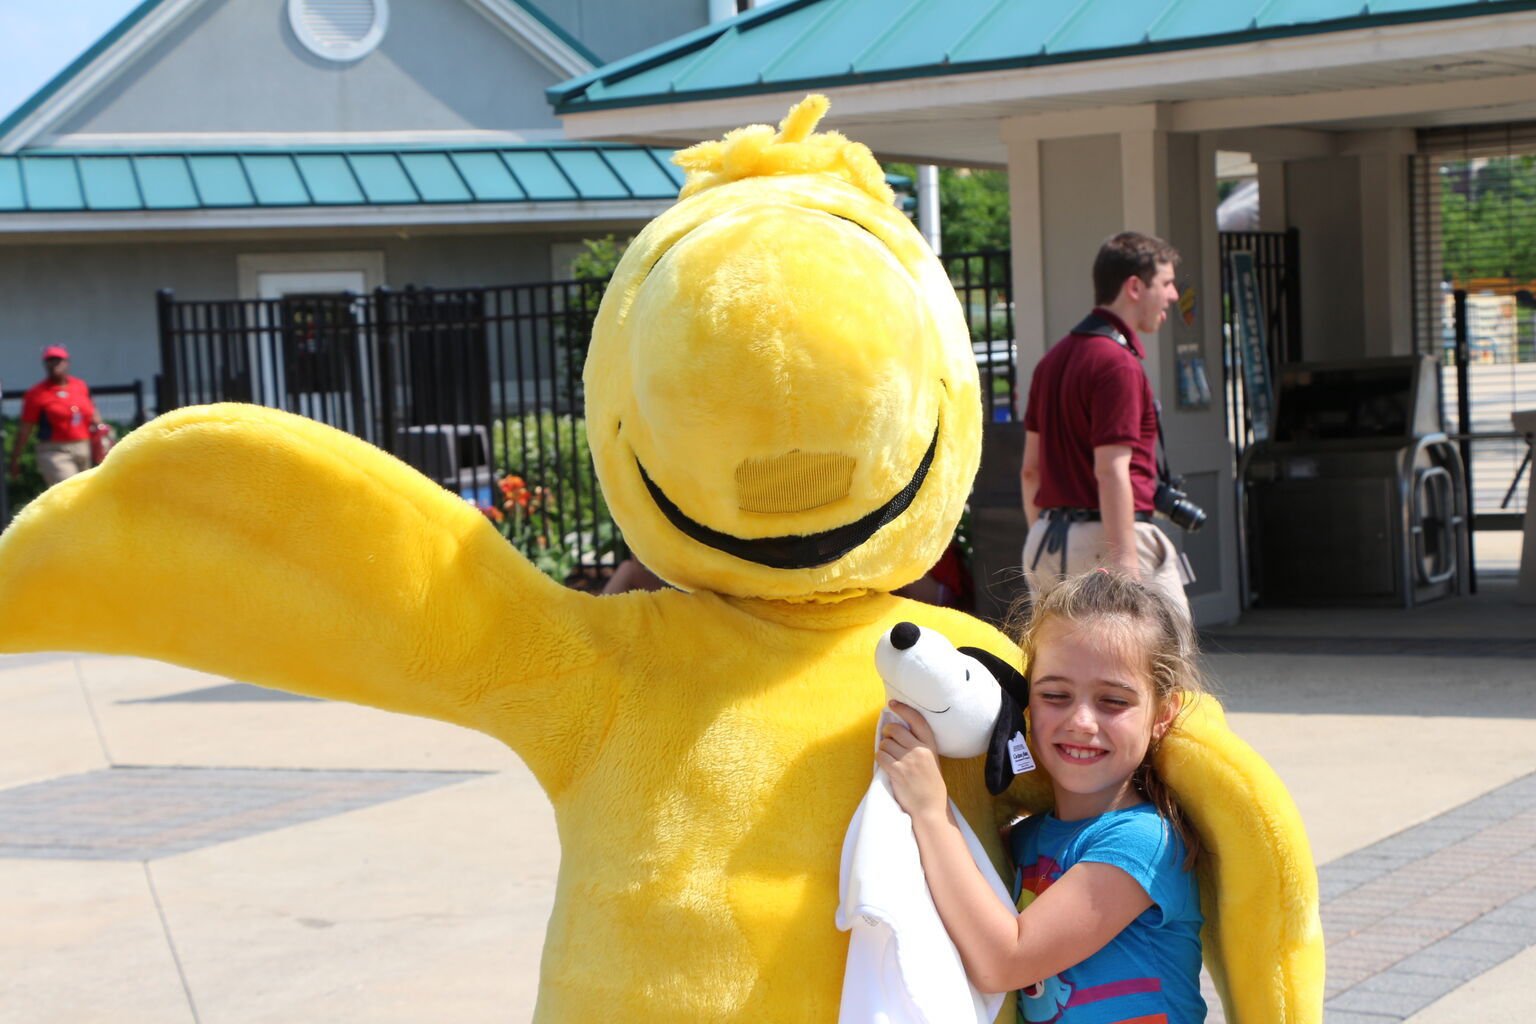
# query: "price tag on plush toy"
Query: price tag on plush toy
{"points": [[1018, 753]]}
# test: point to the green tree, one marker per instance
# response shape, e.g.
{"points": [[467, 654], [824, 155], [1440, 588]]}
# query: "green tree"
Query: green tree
{"points": [[973, 207], [600, 259], [1488, 218]]}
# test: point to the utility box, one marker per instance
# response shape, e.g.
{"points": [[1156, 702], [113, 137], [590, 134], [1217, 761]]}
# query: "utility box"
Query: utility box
{"points": [[456, 455], [998, 527], [1357, 498]]}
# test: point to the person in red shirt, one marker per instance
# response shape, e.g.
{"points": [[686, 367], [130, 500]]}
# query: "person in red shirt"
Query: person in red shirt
{"points": [[59, 409], [1090, 431]]}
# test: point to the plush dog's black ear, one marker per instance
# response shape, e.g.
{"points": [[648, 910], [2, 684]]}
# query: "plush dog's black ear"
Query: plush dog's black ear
{"points": [[1009, 678], [1007, 754], [1003, 747]]}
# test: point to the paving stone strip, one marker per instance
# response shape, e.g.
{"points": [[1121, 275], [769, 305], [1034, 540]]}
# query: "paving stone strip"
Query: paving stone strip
{"points": [[1417, 915], [137, 813]]}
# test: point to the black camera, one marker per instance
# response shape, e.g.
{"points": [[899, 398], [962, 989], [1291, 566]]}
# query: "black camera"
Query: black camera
{"points": [[1175, 504]]}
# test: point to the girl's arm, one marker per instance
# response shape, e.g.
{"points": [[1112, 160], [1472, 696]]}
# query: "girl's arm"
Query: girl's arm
{"points": [[1069, 922]]}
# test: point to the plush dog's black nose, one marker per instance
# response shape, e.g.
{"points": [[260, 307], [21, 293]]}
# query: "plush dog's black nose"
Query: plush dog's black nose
{"points": [[904, 635]]}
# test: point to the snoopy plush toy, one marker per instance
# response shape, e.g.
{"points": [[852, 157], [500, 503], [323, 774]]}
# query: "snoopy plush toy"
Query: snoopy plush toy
{"points": [[902, 966]]}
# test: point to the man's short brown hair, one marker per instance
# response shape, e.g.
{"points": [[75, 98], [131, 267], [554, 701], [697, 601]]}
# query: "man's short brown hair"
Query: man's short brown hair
{"points": [[1128, 254]]}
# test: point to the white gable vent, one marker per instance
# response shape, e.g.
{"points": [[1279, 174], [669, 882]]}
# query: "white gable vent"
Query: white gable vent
{"points": [[339, 30]]}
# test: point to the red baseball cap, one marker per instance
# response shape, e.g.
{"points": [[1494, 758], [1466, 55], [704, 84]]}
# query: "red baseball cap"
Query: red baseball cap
{"points": [[55, 352]]}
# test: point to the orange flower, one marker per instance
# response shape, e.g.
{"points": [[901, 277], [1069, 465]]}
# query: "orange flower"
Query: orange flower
{"points": [[492, 513], [512, 483]]}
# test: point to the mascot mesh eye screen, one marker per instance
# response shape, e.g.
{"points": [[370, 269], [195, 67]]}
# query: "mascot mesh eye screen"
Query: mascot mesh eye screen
{"points": [[784, 413]]}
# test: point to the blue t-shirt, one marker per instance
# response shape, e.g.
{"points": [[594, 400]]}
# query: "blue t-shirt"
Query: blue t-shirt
{"points": [[1150, 972]]}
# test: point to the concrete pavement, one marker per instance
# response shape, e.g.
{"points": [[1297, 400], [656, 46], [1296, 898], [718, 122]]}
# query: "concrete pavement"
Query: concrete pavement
{"points": [[358, 865], [175, 847]]}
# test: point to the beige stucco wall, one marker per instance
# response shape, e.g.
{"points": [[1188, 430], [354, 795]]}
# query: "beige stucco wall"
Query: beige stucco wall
{"points": [[1080, 190], [1322, 201]]}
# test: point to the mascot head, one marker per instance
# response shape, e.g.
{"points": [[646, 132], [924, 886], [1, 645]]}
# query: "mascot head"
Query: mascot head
{"points": [[782, 400]]}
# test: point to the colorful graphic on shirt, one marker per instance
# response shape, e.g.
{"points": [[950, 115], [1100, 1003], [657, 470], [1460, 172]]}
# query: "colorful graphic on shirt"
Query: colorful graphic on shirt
{"points": [[1046, 1002], [1034, 878]]}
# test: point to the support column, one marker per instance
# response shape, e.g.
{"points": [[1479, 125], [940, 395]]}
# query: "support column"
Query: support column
{"points": [[1074, 181], [1386, 234], [1272, 195], [1144, 200], [1026, 239]]}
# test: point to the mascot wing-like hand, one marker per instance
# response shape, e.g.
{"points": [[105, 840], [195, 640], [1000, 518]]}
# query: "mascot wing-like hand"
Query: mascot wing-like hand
{"points": [[783, 407]]}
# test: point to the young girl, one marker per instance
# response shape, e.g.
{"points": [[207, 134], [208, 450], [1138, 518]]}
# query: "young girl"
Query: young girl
{"points": [[1109, 922]]}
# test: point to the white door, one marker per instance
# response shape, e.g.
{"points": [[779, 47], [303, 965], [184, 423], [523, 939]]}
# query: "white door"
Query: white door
{"points": [[272, 388], [276, 284]]}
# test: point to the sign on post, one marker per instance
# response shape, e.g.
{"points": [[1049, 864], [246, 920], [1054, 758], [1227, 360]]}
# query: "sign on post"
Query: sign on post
{"points": [[1248, 315]]}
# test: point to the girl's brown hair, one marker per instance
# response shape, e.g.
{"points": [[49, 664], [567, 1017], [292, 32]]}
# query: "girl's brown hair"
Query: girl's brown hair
{"points": [[1147, 620]]}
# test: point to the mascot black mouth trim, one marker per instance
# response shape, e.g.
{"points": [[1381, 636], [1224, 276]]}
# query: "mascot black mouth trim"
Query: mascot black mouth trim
{"points": [[805, 552]]}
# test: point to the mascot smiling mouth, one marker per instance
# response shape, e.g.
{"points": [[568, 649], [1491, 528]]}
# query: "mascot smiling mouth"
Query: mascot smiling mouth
{"points": [[796, 552]]}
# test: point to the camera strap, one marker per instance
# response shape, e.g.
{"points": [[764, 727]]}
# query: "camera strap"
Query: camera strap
{"points": [[1097, 326]]}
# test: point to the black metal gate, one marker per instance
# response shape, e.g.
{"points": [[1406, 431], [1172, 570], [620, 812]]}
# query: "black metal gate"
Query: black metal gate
{"points": [[479, 388], [1277, 263], [983, 282]]}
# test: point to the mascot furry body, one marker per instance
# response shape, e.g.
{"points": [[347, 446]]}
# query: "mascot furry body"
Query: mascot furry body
{"points": [[784, 412]]}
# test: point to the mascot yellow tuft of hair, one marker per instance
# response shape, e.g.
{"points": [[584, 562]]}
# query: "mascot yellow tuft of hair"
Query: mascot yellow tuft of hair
{"points": [[784, 412]]}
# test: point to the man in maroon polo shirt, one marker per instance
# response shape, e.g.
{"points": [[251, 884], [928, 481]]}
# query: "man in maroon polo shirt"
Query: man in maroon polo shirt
{"points": [[1090, 463], [60, 410]]}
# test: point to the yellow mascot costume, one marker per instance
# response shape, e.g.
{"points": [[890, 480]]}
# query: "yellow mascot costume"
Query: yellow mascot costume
{"points": [[784, 411]]}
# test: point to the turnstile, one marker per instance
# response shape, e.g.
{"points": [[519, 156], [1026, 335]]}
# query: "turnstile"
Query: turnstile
{"points": [[1357, 498]]}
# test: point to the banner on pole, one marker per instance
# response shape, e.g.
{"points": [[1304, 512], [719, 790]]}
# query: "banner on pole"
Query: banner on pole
{"points": [[1248, 316]]}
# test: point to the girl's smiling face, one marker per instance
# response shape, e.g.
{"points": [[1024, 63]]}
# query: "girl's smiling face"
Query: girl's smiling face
{"points": [[1093, 713]]}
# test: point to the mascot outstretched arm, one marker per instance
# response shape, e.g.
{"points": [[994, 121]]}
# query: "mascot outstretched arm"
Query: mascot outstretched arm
{"points": [[263, 546], [784, 412]]}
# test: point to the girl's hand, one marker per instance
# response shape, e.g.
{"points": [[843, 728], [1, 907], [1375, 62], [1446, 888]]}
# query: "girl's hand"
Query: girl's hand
{"points": [[907, 755]]}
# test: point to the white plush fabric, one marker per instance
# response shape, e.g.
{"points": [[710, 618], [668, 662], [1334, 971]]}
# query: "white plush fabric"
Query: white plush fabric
{"points": [[902, 966]]}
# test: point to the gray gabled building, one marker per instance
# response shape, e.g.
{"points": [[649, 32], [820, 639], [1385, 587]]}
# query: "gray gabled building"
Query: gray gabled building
{"points": [[251, 148]]}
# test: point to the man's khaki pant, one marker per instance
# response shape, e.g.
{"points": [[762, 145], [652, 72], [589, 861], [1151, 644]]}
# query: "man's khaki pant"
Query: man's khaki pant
{"points": [[60, 460], [1086, 551]]}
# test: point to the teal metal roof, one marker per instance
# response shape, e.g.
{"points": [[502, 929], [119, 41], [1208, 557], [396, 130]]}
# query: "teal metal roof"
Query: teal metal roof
{"points": [[824, 43], [39, 181]]}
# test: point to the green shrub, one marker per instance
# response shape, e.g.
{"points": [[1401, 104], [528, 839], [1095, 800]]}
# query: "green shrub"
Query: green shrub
{"points": [[550, 506], [30, 484]]}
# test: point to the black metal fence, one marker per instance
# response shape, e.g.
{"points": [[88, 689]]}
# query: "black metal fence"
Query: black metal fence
{"points": [[479, 388], [1276, 259], [984, 284]]}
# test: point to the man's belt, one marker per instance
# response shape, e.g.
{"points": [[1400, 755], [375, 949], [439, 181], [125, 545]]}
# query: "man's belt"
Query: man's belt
{"points": [[1084, 515], [1059, 522]]}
